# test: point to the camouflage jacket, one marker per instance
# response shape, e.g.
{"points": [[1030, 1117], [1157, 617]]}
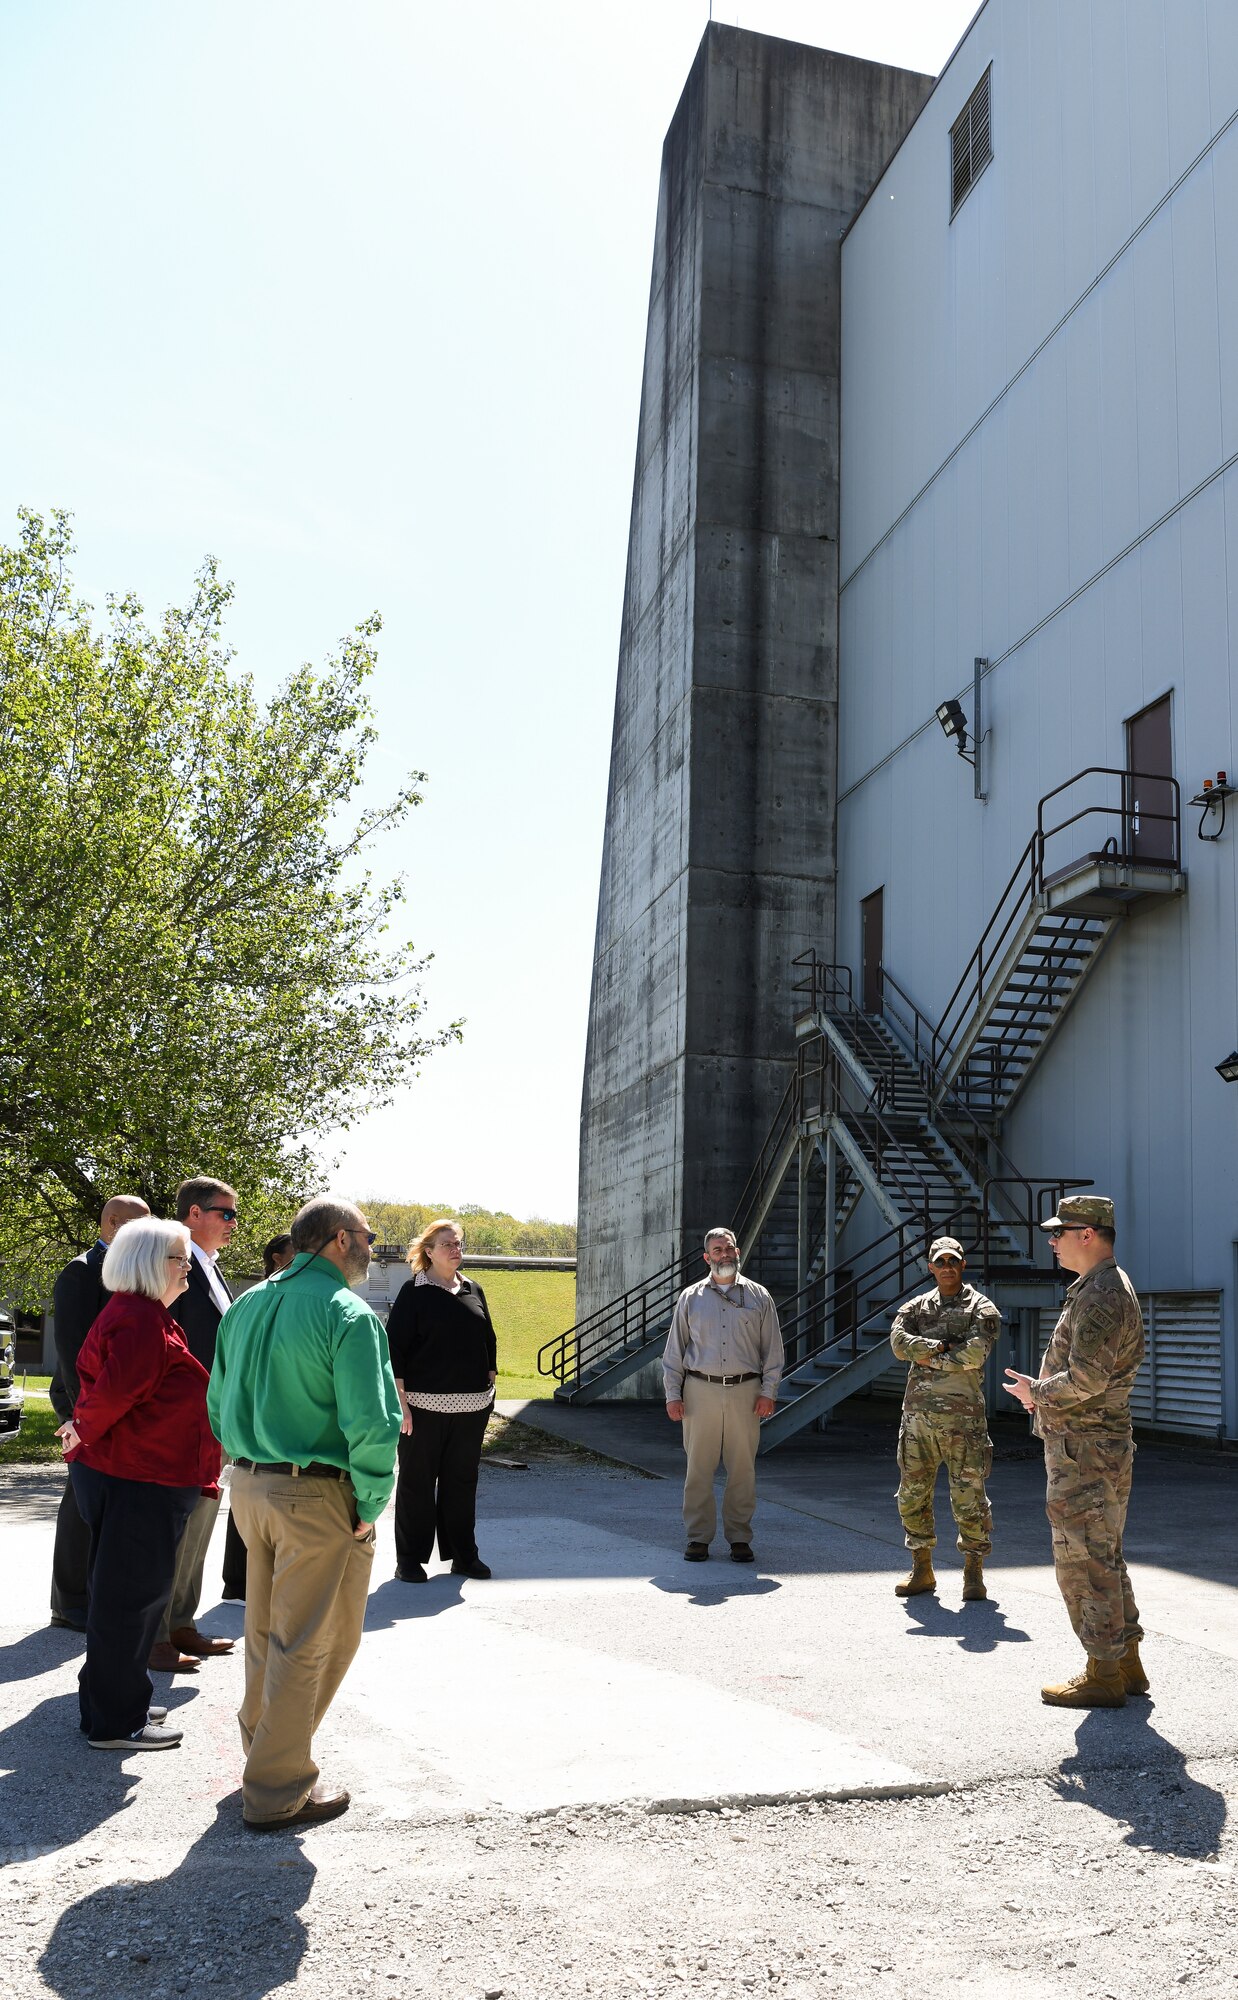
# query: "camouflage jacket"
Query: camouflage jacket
{"points": [[1092, 1358], [950, 1386]]}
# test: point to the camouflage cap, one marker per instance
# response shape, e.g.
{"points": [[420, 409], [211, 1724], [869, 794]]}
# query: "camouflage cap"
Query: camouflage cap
{"points": [[1082, 1211], [945, 1246]]}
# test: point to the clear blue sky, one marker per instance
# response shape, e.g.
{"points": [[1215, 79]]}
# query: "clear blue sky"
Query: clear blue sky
{"points": [[352, 295]]}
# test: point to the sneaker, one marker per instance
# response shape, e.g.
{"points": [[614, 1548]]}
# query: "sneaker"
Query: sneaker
{"points": [[152, 1736], [156, 1714]]}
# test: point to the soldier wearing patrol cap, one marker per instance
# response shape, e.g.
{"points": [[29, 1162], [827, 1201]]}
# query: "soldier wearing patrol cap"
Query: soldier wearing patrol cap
{"points": [[1081, 1403], [947, 1335]]}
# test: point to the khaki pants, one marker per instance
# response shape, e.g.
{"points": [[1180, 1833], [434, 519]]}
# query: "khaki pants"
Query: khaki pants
{"points": [[308, 1579], [720, 1423], [190, 1562]]}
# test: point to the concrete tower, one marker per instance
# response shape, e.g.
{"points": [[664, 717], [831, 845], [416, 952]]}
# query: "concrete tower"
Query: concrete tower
{"points": [[718, 865]]}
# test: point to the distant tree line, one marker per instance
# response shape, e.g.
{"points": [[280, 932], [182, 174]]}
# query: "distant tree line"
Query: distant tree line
{"points": [[487, 1232]]}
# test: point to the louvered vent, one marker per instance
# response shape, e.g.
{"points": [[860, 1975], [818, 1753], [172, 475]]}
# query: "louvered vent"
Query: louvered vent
{"points": [[971, 142], [1179, 1386]]}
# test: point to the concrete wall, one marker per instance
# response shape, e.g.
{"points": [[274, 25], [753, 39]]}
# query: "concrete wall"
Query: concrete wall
{"points": [[1040, 466], [718, 862]]}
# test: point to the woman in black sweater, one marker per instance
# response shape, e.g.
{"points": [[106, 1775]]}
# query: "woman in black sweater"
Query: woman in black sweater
{"points": [[444, 1362]]}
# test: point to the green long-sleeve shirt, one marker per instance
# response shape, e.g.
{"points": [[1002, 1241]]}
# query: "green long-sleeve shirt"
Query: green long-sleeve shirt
{"points": [[302, 1374]]}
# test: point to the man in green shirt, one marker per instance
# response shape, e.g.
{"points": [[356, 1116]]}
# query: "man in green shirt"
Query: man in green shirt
{"points": [[303, 1400]]}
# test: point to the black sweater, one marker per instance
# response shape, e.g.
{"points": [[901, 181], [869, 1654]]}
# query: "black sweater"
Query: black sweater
{"points": [[441, 1342]]}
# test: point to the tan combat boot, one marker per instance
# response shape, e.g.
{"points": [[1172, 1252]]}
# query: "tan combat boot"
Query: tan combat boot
{"points": [[973, 1579], [921, 1578], [1133, 1675], [1102, 1686]]}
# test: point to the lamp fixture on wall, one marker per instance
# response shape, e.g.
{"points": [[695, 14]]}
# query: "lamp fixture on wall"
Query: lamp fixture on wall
{"points": [[1229, 1068], [954, 728], [1212, 796]]}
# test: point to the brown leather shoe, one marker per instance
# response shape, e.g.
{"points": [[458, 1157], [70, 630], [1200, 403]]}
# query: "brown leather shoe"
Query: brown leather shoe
{"points": [[168, 1659], [190, 1640], [322, 1803]]}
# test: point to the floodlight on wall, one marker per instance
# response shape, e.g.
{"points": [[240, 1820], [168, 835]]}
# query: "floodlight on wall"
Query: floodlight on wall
{"points": [[1229, 1068], [954, 724], [954, 728]]}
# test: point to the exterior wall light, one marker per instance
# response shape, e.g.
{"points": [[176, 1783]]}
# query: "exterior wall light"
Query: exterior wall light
{"points": [[954, 724], [954, 728], [1229, 1068], [1210, 798]]}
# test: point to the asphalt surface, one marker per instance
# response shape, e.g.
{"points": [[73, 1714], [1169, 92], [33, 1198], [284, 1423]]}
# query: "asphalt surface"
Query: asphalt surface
{"points": [[604, 1767]]}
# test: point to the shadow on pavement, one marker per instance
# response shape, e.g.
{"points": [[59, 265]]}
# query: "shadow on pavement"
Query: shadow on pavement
{"points": [[396, 1603], [39, 1653], [1153, 1794], [979, 1628], [698, 1591], [56, 1789], [227, 1916]]}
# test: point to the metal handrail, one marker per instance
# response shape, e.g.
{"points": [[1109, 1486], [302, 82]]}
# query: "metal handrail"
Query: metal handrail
{"points": [[754, 1187], [982, 1156], [625, 1322], [969, 991]]}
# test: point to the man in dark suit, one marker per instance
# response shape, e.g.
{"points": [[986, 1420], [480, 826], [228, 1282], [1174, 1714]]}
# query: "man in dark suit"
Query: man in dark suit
{"points": [[208, 1210], [77, 1301]]}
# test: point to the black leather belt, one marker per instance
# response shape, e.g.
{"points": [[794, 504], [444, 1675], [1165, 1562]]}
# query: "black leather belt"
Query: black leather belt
{"points": [[311, 1471], [726, 1380]]}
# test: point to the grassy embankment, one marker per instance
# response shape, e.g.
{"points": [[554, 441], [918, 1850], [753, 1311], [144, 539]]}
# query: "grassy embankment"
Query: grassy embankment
{"points": [[528, 1308]]}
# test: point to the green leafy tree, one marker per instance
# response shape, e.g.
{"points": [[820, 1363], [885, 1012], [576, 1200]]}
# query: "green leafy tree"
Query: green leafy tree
{"points": [[195, 968], [487, 1233]]}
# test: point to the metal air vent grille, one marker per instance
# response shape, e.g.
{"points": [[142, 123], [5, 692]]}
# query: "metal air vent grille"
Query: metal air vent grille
{"points": [[971, 142]]}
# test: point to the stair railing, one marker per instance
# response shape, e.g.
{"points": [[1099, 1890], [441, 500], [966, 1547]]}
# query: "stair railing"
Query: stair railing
{"points": [[756, 1187], [1028, 882], [1008, 1200], [622, 1325]]}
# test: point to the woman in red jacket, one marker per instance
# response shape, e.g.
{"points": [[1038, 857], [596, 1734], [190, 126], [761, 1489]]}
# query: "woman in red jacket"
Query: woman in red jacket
{"points": [[140, 1452]]}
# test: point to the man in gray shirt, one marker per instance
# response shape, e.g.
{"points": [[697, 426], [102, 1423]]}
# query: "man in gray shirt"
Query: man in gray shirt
{"points": [[722, 1366]]}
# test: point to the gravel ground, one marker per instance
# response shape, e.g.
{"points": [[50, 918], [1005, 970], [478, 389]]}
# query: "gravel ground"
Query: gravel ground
{"points": [[1114, 1887]]}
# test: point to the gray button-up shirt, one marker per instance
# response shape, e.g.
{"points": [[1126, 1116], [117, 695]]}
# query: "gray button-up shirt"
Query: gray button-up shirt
{"points": [[717, 1331]]}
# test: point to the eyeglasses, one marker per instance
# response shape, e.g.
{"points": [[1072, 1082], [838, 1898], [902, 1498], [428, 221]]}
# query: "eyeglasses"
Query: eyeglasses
{"points": [[184, 1262], [228, 1214], [1067, 1229]]}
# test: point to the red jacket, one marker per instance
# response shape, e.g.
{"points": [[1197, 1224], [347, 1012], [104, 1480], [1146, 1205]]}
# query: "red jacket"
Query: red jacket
{"points": [[141, 1408]]}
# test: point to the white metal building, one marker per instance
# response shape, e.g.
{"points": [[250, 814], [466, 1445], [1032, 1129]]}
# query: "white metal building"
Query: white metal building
{"points": [[1039, 469]]}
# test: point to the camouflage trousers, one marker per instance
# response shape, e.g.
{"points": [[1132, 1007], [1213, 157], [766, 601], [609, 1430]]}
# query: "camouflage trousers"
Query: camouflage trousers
{"points": [[1089, 1486], [927, 1440]]}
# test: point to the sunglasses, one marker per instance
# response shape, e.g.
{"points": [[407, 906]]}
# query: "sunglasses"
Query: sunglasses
{"points": [[228, 1214], [1067, 1229]]}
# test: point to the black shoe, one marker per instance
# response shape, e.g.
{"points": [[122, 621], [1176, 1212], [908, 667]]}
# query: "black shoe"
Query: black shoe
{"points": [[696, 1552], [476, 1567], [741, 1552], [230, 1596], [415, 1574], [71, 1621]]}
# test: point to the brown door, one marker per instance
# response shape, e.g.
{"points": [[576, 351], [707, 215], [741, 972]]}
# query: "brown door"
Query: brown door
{"points": [[1149, 799], [870, 951]]}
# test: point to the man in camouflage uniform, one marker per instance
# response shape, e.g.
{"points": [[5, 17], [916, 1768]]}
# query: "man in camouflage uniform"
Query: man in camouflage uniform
{"points": [[1082, 1409], [946, 1334]]}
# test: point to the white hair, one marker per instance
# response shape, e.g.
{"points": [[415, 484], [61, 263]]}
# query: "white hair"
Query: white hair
{"points": [[727, 1235], [137, 1258]]}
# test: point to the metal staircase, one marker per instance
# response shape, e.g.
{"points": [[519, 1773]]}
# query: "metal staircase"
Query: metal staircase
{"points": [[906, 1112]]}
